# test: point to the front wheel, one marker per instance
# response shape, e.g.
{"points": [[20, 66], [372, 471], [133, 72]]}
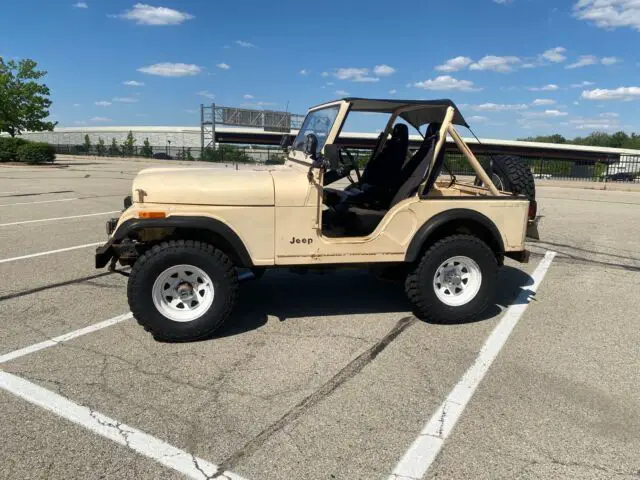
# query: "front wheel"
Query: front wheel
{"points": [[454, 281], [182, 290]]}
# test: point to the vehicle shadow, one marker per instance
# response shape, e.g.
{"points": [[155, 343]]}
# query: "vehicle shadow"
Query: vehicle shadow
{"points": [[288, 296]]}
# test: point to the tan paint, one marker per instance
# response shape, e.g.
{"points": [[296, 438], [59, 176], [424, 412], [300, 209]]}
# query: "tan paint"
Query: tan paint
{"points": [[277, 212], [204, 186]]}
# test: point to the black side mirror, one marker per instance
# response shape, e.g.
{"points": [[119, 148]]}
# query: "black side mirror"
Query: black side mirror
{"points": [[311, 145], [286, 141], [332, 157]]}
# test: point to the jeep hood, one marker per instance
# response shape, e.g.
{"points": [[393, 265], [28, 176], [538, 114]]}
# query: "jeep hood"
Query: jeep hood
{"points": [[204, 186]]}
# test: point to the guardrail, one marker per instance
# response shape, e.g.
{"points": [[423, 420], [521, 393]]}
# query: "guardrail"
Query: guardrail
{"points": [[626, 170]]}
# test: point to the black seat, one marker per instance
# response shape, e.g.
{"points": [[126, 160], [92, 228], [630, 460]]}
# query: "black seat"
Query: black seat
{"points": [[360, 220], [388, 163]]}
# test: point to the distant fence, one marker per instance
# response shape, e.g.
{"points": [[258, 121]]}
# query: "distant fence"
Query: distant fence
{"points": [[627, 170]]}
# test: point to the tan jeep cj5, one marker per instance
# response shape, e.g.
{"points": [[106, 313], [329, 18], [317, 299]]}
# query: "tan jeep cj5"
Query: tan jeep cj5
{"points": [[187, 232]]}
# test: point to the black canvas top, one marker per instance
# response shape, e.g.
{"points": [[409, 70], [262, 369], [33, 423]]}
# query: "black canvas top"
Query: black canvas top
{"points": [[426, 111]]}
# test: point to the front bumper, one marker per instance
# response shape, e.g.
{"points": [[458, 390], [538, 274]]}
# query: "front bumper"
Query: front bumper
{"points": [[104, 254]]}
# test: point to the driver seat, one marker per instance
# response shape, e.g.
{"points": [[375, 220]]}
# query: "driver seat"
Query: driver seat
{"points": [[386, 166], [361, 221]]}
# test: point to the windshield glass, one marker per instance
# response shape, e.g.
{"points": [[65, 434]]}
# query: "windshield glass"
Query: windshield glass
{"points": [[319, 123]]}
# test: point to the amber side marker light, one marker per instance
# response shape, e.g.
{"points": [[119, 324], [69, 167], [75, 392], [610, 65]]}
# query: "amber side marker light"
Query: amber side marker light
{"points": [[152, 214]]}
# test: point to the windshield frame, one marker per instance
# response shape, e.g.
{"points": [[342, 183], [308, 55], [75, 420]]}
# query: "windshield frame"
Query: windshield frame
{"points": [[343, 108]]}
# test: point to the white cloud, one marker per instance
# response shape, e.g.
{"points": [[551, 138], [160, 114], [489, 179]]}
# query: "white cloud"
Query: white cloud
{"points": [[478, 119], [383, 70], [304, 71], [393, 91], [555, 55], [144, 14], [499, 107], [206, 94], [445, 82], [609, 13], [454, 64], [76, 105], [223, 66], [330, 84], [502, 2], [171, 69], [248, 97], [599, 123], [610, 115], [124, 99], [245, 44], [583, 61], [576, 103], [610, 60], [620, 93], [583, 84], [529, 65], [102, 103], [133, 83], [546, 113], [101, 119], [325, 74], [80, 5], [495, 63], [552, 87], [543, 101], [342, 93], [354, 75]]}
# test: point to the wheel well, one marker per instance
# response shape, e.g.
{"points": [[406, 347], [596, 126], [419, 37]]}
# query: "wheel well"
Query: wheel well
{"points": [[212, 238], [468, 227]]}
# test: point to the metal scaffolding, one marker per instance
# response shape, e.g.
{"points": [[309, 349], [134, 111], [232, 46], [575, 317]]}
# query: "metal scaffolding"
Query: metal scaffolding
{"points": [[268, 120]]}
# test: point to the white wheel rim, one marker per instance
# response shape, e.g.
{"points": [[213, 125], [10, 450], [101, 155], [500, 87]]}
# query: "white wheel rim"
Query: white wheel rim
{"points": [[457, 281], [497, 181], [183, 293]]}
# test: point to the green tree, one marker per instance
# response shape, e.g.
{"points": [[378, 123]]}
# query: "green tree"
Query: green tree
{"points": [[100, 148], [128, 146], [24, 103], [147, 151], [87, 144], [114, 149]]}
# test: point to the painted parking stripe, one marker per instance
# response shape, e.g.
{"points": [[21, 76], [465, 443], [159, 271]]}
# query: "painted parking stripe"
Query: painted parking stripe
{"points": [[57, 218], [64, 338], [120, 433], [50, 252], [424, 450], [40, 201]]}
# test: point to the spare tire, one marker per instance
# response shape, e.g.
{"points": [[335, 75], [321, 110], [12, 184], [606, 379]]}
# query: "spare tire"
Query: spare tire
{"points": [[511, 174]]}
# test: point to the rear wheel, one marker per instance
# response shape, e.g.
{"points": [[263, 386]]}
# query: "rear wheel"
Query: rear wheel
{"points": [[182, 290], [454, 281]]}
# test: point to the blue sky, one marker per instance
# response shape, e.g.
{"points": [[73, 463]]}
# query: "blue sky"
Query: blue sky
{"points": [[515, 67]]}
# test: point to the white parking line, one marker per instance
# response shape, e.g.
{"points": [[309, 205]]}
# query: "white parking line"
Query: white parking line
{"points": [[40, 254], [40, 201], [57, 218], [424, 450], [132, 438], [64, 338]]}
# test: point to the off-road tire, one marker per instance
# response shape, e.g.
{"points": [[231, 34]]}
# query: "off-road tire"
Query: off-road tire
{"points": [[421, 291], [514, 175], [152, 263]]}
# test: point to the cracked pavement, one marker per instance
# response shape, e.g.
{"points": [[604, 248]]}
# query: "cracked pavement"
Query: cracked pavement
{"points": [[324, 377]]}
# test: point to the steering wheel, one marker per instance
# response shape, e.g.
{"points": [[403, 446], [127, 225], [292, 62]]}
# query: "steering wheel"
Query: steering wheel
{"points": [[350, 163]]}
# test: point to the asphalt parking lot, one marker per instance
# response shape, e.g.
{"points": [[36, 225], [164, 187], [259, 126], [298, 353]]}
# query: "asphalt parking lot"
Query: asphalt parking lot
{"points": [[316, 377]]}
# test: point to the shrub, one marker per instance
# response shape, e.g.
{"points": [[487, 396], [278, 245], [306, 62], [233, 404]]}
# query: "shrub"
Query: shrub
{"points": [[227, 154], [36, 152], [9, 148]]}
